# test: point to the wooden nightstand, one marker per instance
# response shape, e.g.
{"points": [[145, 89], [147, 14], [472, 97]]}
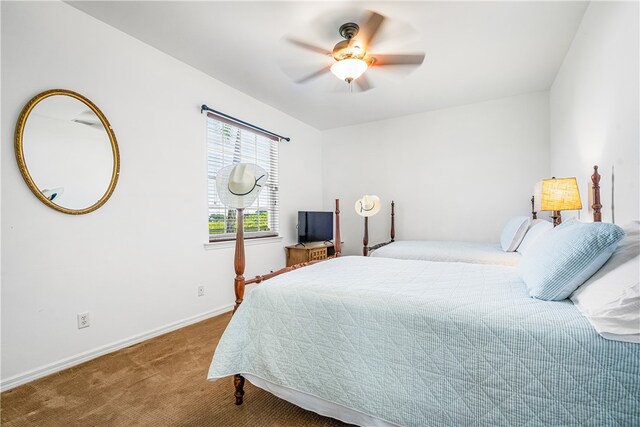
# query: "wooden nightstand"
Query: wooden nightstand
{"points": [[309, 252]]}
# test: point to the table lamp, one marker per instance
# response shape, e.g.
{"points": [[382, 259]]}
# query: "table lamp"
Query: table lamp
{"points": [[559, 194]]}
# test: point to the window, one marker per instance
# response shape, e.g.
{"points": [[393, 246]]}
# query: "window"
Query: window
{"points": [[228, 143]]}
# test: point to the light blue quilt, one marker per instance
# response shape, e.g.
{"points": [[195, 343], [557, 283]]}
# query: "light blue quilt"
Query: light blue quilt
{"points": [[421, 343], [449, 251]]}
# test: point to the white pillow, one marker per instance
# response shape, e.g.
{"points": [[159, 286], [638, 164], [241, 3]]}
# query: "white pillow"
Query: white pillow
{"points": [[539, 228], [513, 233], [610, 299]]}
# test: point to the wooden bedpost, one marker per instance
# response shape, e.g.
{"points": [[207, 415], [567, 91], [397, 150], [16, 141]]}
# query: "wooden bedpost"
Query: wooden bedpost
{"points": [[239, 265], [393, 221], [365, 239], [337, 245], [239, 260], [597, 206], [238, 383], [534, 214]]}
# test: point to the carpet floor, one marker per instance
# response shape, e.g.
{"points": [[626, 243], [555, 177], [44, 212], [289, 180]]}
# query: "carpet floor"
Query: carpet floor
{"points": [[159, 382]]}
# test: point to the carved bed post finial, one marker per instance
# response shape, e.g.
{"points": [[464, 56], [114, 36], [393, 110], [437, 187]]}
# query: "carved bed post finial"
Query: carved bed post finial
{"points": [[597, 206], [393, 221], [365, 239], [534, 214], [239, 260], [337, 244]]}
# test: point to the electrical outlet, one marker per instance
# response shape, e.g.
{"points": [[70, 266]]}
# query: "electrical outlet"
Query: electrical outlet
{"points": [[83, 320], [200, 291]]}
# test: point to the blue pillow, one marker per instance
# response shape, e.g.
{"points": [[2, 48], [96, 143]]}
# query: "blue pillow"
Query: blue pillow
{"points": [[567, 257]]}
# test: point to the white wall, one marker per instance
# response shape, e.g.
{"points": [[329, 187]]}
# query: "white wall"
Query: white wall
{"points": [[594, 108], [442, 168], [135, 263]]}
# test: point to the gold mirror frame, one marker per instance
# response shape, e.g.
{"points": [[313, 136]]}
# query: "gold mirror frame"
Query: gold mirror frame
{"points": [[22, 165]]}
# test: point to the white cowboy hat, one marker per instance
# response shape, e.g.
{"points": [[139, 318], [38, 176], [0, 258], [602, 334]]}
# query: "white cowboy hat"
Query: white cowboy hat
{"points": [[239, 184], [368, 205]]}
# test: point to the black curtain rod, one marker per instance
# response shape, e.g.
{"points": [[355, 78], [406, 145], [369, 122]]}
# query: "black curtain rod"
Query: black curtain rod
{"points": [[204, 107]]}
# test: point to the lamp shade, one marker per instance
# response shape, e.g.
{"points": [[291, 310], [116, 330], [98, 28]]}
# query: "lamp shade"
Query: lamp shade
{"points": [[537, 196], [349, 69], [560, 194]]}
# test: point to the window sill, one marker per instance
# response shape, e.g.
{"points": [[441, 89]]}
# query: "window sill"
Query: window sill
{"points": [[247, 242]]}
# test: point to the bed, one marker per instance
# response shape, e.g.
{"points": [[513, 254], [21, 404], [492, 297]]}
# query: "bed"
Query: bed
{"points": [[383, 341], [417, 343], [448, 251], [451, 251]]}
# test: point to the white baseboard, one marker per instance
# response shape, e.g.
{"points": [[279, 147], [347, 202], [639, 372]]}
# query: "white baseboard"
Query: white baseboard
{"points": [[54, 367]]}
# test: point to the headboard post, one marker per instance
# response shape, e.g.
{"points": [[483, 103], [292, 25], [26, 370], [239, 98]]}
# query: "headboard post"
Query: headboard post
{"points": [[393, 221], [239, 260], [597, 206], [534, 214], [337, 244], [365, 239]]}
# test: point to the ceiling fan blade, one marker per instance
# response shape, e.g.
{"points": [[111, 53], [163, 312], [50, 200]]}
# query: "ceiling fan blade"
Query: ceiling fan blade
{"points": [[408, 59], [313, 75], [363, 83], [308, 46], [370, 28]]}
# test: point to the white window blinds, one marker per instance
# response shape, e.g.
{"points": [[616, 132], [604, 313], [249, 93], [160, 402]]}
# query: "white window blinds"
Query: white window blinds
{"points": [[228, 143]]}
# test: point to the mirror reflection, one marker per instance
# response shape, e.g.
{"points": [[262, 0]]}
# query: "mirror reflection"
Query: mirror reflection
{"points": [[70, 158]]}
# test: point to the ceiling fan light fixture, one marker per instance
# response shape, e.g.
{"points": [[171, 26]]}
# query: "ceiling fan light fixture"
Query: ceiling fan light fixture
{"points": [[349, 69]]}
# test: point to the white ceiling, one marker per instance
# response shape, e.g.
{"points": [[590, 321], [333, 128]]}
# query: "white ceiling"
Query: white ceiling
{"points": [[475, 51]]}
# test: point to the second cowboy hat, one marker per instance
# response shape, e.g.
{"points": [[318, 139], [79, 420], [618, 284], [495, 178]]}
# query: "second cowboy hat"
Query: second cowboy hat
{"points": [[368, 205]]}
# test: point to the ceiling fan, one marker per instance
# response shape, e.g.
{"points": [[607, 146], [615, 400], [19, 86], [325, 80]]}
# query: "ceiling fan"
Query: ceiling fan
{"points": [[353, 56]]}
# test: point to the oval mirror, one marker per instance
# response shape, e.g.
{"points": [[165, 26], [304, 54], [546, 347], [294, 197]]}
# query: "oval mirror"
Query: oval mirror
{"points": [[67, 152]]}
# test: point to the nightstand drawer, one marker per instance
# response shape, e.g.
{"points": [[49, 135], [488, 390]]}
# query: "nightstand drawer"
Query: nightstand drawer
{"points": [[316, 254]]}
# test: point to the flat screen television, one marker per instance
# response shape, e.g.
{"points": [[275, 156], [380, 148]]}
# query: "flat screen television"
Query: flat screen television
{"points": [[315, 226]]}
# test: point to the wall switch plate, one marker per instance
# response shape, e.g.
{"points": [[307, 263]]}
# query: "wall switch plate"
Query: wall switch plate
{"points": [[200, 291], [83, 320]]}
